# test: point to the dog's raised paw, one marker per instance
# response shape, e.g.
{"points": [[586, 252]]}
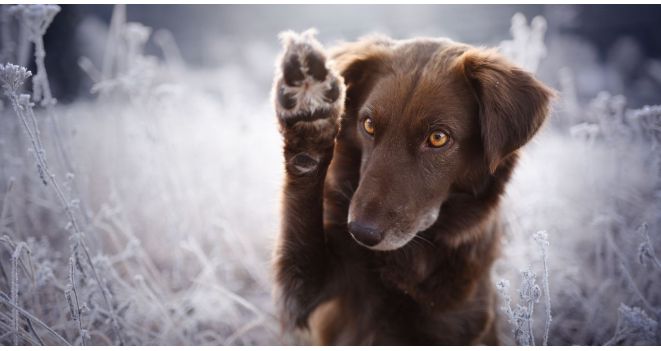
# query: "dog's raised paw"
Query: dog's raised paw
{"points": [[306, 88]]}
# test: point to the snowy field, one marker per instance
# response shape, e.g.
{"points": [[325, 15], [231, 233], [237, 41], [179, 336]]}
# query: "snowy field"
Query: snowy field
{"points": [[146, 215]]}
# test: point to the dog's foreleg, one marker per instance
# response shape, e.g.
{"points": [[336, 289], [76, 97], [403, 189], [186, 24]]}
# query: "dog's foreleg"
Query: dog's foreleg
{"points": [[309, 99]]}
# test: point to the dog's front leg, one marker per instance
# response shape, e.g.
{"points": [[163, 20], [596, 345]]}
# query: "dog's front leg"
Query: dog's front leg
{"points": [[309, 99]]}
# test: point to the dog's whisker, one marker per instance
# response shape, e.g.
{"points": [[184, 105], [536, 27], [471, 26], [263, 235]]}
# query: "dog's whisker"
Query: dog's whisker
{"points": [[346, 190], [424, 240]]}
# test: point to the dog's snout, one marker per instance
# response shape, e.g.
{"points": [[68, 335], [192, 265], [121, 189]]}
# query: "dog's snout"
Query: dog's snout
{"points": [[365, 233]]}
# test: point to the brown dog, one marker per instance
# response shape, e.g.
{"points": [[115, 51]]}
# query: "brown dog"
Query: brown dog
{"points": [[397, 153]]}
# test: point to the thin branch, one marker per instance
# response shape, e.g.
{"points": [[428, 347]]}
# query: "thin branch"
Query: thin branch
{"points": [[33, 331], [634, 287], [5, 299]]}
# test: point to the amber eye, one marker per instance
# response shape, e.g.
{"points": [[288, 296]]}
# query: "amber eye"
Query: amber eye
{"points": [[437, 138], [368, 124]]}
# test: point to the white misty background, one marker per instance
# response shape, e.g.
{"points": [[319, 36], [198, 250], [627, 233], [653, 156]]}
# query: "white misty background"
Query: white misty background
{"points": [[146, 213]]}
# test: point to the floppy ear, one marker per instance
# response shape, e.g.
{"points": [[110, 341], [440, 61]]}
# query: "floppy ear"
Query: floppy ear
{"points": [[359, 63], [513, 104]]}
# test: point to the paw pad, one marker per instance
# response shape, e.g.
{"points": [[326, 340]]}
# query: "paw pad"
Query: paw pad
{"points": [[306, 90]]}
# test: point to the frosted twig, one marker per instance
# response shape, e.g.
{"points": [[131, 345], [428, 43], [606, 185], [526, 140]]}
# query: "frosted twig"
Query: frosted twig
{"points": [[165, 40], [14, 286], [5, 202], [88, 67], [6, 336], [517, 317], [12, 247], [71, 295], [541, 238], [646, 250], [33, 331], [634, 287], [114, 34], [529, 293]]}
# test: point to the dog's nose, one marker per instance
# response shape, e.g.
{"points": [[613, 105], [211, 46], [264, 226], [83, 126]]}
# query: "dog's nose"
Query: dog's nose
{"points": [[366, 234]]}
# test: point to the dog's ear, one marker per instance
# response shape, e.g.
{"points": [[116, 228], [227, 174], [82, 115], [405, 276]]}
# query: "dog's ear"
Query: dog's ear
{"points": [[513, 104], [360, 63]]}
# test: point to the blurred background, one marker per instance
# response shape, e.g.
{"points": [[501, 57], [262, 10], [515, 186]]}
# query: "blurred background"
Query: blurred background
{"points": [[164, 147], [615, 48]]}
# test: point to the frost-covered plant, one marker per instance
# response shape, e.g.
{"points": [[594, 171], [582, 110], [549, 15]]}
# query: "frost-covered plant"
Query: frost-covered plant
{"points": [[36, 19], [21, 257], [126, 71], [529, 294], [606, 117], [521, 316], [12, 78], [527, 46], [609, 113], [135, 37], [649, 118], [633, 324], [586, 132]]}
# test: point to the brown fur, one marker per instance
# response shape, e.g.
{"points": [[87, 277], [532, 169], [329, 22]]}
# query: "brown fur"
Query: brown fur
{"points": [[436, 289]]}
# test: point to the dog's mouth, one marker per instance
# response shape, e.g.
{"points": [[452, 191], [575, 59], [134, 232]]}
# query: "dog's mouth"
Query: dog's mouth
{"points": [[392, 238]]}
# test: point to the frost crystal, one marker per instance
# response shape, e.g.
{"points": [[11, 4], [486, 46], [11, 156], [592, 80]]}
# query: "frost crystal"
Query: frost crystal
{"points": [[529, 290], [646, 252], [12, 77], [36, 18], [634, 324]]}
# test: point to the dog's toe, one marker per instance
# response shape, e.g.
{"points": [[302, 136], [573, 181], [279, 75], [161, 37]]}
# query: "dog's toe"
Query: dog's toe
{"points": [[316, 65], [286, 99], [333, 93], [291, 70]]}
